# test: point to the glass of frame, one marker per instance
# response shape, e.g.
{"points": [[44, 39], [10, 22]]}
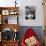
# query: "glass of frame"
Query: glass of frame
{"points": [[13, 12], [10, 19], [30, 12], [13, 20], [5, 12]]}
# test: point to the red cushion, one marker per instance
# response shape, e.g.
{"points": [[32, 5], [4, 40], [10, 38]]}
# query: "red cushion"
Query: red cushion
{"points": [[29, 33]]}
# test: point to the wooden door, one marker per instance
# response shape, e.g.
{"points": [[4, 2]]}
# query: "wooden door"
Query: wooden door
{"points": [[44, 6]]}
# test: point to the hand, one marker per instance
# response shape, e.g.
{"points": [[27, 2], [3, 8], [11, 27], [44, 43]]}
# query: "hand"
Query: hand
{"points": [[32, 41]]}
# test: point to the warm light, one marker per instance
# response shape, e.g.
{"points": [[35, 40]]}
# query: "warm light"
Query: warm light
{"points": [[0, 17], [12, 10], [0, 36], [15, 30]]}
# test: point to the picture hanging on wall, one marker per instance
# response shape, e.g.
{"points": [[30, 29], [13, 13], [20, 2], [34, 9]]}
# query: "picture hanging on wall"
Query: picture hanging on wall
{"points": [[30, 12]]}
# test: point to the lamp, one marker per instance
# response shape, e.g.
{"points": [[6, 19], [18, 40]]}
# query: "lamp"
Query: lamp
{"points": [[15, 3], [15, 30]]}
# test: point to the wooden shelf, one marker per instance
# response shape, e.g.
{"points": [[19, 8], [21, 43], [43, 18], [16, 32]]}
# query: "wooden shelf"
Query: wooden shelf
{"points": [[9, 43], [11, 26], [4, 24], [5, 8]]}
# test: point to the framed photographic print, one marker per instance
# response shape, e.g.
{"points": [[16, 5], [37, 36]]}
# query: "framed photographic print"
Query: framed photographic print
{"points": [[5, 20], [5, 12], [10, 19], [13, 20], [30, 12], [6, 34], [13, 12]]}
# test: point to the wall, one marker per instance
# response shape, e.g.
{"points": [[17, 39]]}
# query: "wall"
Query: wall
{"points": [[39, 11]]}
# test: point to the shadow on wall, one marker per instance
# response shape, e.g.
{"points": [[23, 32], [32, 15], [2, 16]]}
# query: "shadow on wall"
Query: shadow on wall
{"points": [[37, 29]]}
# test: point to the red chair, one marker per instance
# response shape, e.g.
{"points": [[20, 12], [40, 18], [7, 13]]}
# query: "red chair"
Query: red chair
{"points": [[29, 33]]}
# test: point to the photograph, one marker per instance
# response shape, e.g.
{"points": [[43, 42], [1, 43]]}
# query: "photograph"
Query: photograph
{"points": [[30, 12]]}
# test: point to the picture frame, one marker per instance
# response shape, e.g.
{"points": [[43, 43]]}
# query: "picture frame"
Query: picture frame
{"points": [[13, 20], [5, 12], [13, 12], [30, 12], [5, 20], [9, 34], [6, 34], [10, 19]]}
